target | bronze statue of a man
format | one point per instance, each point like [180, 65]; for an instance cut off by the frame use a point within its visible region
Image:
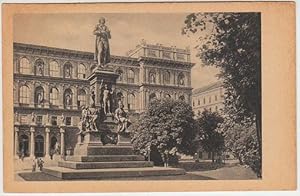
[102, 53]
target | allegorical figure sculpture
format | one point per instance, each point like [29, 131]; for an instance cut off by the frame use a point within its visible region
[107, 94]
[122, 119]
[102, 53]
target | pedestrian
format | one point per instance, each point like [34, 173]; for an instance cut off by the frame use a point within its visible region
[33, 164]
[40, 163]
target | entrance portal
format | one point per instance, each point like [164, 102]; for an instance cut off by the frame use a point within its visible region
[39, 146]
[23, 146]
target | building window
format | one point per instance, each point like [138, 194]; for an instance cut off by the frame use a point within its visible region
[131, 102]
[193, 103]
[204, 100]
[152, 78]
[81, 98]
[53, 97]
[198, 101]
[216, 97]
[39, 120]
[68, 70]
[209, 99]
[130, 76]
[39, 96]
[181, 98]
[54, 120]
[166, 77]
[151, 53]
[24, 119]
[24, 66]
[39, 67]
[166, 55]
[152, 96]
[120, 72]
[68, 98]
[216, 108]
[68, 121]
[81, 71]
[180, 57]
[24, 95]
[181, 79]
[119, 96]
[54, 69]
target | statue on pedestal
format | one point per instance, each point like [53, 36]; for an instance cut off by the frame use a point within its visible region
[33, 117]
[107, 98]
[102, 52]
[122, 119]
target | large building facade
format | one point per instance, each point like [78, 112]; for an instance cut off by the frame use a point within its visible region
[210, 97]
[50, 84]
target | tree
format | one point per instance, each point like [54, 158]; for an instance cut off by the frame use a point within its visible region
[241, 141]
[210, 139]
[232, 42]
[168, 127]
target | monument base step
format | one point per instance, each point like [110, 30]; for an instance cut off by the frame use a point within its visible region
[69, 174]
[105, 158]
[104, 165]
[89, 149]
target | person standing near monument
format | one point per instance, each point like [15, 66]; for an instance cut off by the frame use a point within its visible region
[102, 52]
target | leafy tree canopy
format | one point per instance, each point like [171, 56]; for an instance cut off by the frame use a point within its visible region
[168, 125]
[210, 139]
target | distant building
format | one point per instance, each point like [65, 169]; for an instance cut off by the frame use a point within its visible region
[51, 86]
[210, 97]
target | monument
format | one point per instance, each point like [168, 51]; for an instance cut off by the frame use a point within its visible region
[103, 148]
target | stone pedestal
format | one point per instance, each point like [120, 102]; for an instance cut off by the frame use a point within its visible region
[109, 78]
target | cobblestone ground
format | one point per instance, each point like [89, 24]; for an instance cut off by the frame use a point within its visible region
[195, 171]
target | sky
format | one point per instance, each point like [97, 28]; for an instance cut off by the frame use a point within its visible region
[75, 31]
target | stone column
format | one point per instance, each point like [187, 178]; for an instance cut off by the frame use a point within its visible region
[16, 141]
[62, 141]
[47, 95]
[47, 152]
[32, 143]
[75, 98]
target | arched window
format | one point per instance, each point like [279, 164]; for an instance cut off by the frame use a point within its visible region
[130, 76]
[166, 77]
[25, 66]
[120, 72]
[39, 67]
[181, 97]
[152, 96]
[39, 96]
[152, 77]
[68, 95]
[131, 102]
[120, 96]
[54, 69]
[24, 95]
[68, 70]
[81, 71]
[81, 98]
[181, 79]
[54, 97]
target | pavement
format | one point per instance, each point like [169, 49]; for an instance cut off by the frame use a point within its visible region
[195, 171]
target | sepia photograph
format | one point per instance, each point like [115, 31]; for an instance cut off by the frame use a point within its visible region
[137, 96]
